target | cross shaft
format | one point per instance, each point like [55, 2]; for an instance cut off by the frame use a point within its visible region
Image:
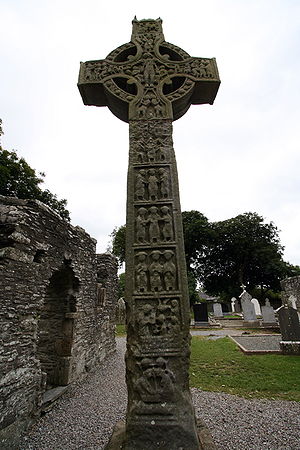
[149, 83]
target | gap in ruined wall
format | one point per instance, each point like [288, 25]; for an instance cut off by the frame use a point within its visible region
[56, 327]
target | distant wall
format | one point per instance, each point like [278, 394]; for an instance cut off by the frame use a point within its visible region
[56, 321]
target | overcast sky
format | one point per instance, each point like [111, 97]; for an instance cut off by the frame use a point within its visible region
[239, 155]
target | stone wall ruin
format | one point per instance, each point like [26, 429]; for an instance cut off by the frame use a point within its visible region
[57, 309]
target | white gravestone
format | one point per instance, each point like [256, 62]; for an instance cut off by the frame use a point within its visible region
[232, 304]
[256, 306]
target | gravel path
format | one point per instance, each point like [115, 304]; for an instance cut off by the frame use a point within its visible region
[84, 417]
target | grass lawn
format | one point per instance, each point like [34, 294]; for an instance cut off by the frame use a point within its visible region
[219, 366]
[120, 330]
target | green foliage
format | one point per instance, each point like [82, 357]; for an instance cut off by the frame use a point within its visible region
[118, 243]
[246, 251]
[18, 179]
[197, 234]
[241, 250]
[120, 330]
[223, 255]
[220, 366]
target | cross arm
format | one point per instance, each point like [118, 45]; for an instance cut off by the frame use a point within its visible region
[92, 93]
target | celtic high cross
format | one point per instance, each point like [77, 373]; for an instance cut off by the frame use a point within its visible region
[149, 83]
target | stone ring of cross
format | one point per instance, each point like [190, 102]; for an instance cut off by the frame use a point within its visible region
[148, 78]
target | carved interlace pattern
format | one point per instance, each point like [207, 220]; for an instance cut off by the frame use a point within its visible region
[148, 83]
[148, 72]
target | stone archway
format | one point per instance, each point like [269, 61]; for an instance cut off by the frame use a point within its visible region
[56, 327]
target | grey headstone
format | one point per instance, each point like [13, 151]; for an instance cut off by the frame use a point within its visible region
[237, 305]
[121, 312]
[247, 307]
[217, 308]
[268, 314]
[289, 324]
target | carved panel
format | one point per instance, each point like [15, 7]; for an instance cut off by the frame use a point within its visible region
[153, 224]
[152, 184]
[156, 271]
[156, 382]
[148, 150]
[157, 317]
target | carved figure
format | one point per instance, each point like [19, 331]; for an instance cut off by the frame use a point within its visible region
[146, 319]
[169, 271]
[155, 271]
[157, 382]
[152, 185]
[167, 229]
[158, 109]
[142, 109]
[140, 156]
[141, 272]
[154, 231]
[159, 317]
[141, 224]
[163, 153]
[140, 185]
[131, 82]
[164, 182]
[151, 150]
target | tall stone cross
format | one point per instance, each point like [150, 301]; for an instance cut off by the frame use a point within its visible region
[149, 83]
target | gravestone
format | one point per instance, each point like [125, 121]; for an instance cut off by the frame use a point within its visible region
[217, 309]
[235, 304]
[120, 312]
[257, 308]
[290, 330]
[248, 310]
[200, 313]
[268, 314]
[149, 83]
[291, 292]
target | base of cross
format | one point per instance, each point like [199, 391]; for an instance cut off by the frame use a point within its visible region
[118, 438]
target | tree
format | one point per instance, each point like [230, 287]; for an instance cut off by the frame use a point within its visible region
[118, 243]
[18, 179]
[197, 236]
[244, 250]
[223, 255]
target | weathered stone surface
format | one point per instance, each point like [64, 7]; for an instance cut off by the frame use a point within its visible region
[53, 327]
[291, 293]
[247, 307]
[121, 312]
[217, 308]
[289, 324]
[268, 314]
[149, 83]
[257, 307]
